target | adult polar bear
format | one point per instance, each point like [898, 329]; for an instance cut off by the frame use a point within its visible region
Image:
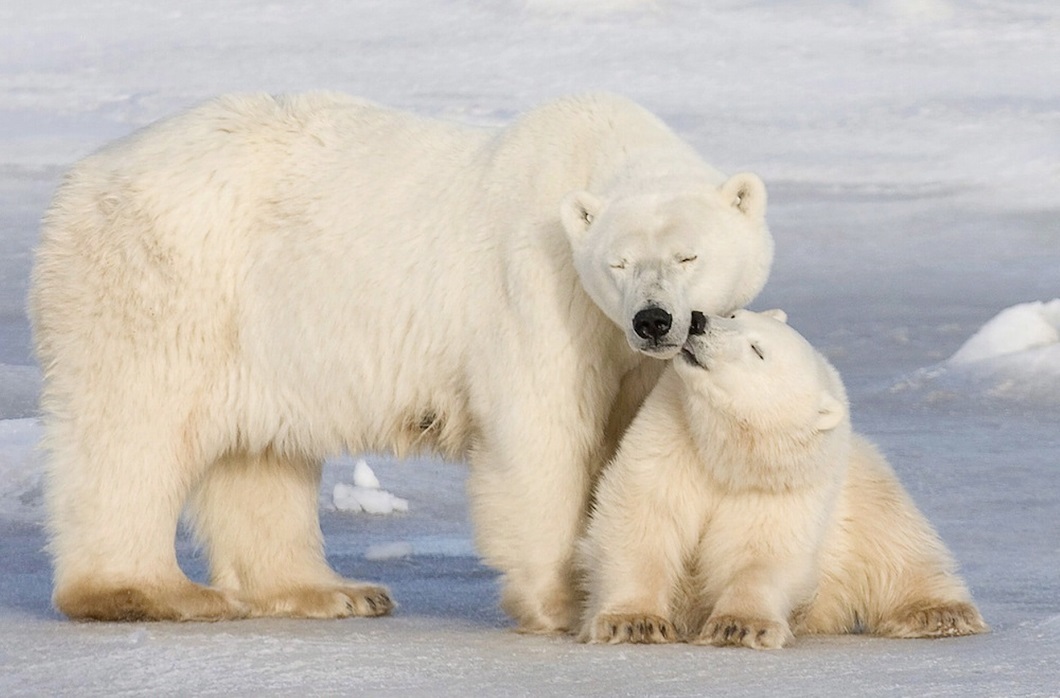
[227, 297]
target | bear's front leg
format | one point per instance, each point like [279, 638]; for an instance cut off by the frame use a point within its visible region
[752, 609]
[526, 519]
[633, 557]
[528, 493]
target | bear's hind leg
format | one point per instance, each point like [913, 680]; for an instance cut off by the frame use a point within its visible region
[175, 600]
[113, 513]
[928, 619]
[257, 516]
[887, 566]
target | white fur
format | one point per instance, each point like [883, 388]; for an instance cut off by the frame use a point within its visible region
[227, 297]
[740, 509]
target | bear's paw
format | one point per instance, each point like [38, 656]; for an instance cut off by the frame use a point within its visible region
[640, 628]
[933, 619]
[363, 600]
[756, 633]
[179, 601]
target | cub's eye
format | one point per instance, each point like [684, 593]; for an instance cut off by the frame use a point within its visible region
[756, 350]
[686, 258]
[620, 264]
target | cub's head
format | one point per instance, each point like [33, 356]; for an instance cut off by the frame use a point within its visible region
[647, 260]
[760, 372]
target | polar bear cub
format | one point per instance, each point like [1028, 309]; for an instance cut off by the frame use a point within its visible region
[741, 509]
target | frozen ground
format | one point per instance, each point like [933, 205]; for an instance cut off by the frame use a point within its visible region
[912, 151]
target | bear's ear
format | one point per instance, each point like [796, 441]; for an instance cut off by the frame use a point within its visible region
[777, 314]
[747, 193]
[577, 212]
[830, 413]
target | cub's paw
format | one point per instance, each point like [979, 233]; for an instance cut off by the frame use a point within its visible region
[755, 633]
[933, 619]
[344, 601]
[642, 628]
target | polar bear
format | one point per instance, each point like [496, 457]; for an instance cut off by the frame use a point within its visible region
[740, 509]
[227, 297]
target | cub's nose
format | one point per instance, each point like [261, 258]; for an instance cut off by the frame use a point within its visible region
[652, 323]
[699, 323]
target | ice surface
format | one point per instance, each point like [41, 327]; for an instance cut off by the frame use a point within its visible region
[388, 551]
[911, 152]
[21, 468]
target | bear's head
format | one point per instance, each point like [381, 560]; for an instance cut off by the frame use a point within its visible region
[648, 259]
[761, 373]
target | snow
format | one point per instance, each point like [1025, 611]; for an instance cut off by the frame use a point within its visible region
[912, 154]
[364, 476]
[364, 494]
[1023, 330]
[1015, 357]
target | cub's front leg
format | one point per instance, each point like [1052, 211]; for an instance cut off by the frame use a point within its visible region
[632, 556]
[628, 578]
[752, 609]
[753, 584]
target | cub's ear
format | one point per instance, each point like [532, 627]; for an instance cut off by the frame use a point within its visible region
[747, 193]
[577, 212]
[830, 413]
[777, 314]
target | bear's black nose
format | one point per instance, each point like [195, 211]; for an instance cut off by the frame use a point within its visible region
[652, 323]
[699, 323]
